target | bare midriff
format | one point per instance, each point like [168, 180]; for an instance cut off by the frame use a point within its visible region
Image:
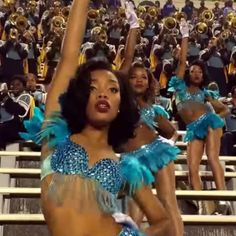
[190, 114]
[143, 135]
[71, 219]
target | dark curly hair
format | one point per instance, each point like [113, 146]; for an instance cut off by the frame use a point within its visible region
[149, 96]
[201, 64]
[74, 102]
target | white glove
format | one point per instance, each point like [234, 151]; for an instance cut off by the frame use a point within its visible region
[130, 14]
[121, 218]
[184, 28]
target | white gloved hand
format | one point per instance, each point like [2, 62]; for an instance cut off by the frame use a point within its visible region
[130, 14]
[124, 219]
[184, 28]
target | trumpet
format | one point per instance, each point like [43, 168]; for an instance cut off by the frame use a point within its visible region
[57, 22]
[179, 15]
[12, 18]
[170, 23]
[13, 35]
[201, 27]
[99, 34]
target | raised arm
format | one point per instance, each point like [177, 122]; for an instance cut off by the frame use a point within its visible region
[131, 38]
[184, 29]
[68, 62]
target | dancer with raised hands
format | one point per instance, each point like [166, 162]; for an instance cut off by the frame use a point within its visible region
[81, 175]
[153, 151]
[204, 128]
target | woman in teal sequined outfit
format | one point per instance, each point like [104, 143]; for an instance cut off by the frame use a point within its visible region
[204, 128]
[157, 153]
[81, 175]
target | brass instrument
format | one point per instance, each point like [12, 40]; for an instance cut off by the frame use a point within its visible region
[179, 15]
[170, 23]
[13, 34]
[121, 12]
[225, 34]
[57, 22]
[12, 18]
[230, 16]
[8, 3]
[207, 16]
[153, 11]
[93, 14]
[141, 10]
[21, 23]
[201, 27]
[20, 11]
[65, 12]
[99, 34]
[233, 23]
[102, 37]
[31, 5]
[142, 24]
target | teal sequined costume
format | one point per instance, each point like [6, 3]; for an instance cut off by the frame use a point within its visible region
[72, 176]
[198, 129]
[160, 152]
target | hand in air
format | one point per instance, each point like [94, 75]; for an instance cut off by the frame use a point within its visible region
[130, 14]
[184, 28]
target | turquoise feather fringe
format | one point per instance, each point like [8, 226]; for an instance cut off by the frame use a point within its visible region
[55, 128]
[159, 110]
[213, 94]
[199, 128]
[151, 157]
[134, 173]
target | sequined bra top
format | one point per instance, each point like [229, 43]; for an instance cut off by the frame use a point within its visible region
[186, 99]
[70, 158]
[148, 115]
[72, 175]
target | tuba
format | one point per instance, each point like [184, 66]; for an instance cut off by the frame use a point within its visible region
[141, 10]
[8, 3]
[170, 23]
[93, 14]
[31, 5]
[153, 11]
[207, 16]
[225, 34]
[201, 27]
[229, 16]
[21, 23]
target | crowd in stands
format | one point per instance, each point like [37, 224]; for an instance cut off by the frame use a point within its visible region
[31, 34]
